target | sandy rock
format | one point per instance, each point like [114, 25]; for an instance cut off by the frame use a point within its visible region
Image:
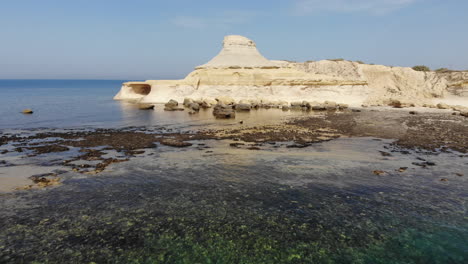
[460, 108]
[187, 101]
[343, 106]
[225, 100]
[443, 106]
[27, 111]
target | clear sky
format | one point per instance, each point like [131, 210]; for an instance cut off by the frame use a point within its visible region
[152, 39]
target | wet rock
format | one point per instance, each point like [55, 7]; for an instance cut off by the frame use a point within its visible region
[175, 143]
[177, 108]
[44, 180]
[298, 145]
[379, 172]
[385, 154]
[145, 106]
[319, 107]
[194, 106]
[296, 104]
[285, 108]
[192, 112]
[465, 114]
[27, 111]
[402, 169]
[395, 104]
[459, 174]
[343, 107]
[223, 111]
[356, 110]
[243, 107]
[253, 148]
[443, 180]
[413, 113]
[236, 145]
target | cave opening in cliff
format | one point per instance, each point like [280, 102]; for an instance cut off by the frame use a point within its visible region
[143, 89]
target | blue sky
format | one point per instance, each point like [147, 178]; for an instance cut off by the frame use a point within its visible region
[151, 39]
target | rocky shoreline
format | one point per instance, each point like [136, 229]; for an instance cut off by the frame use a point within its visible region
[424, 132]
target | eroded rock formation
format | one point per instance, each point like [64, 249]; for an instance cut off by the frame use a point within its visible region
[241, 72]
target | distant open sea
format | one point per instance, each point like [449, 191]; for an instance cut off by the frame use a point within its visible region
[61, 103]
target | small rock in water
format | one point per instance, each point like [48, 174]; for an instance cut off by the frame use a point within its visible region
[223, 111]
[379, 172]
[402, 169]
[171, 103]
[145, 106]
[413, 113]
[385, 154]
[187, 101]
[194, 106]
[27, 111]
[459, 174]
[443, 180]
[243, 107]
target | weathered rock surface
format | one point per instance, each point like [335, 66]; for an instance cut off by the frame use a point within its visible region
[240, 72]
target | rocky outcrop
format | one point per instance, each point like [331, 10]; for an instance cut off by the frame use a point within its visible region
[240, 72]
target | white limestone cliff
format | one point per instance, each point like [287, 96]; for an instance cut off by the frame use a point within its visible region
[241, 72]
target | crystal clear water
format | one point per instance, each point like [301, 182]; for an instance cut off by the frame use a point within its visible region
[213, 203]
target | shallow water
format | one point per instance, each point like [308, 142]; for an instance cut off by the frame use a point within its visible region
[218, 203]
[213, 203]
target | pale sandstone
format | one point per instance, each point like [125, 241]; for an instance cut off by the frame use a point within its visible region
[240, 72]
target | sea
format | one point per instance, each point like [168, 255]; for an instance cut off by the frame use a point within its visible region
[213, 203]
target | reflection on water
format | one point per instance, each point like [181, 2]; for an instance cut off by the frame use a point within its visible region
[132, 116]
[215, 203]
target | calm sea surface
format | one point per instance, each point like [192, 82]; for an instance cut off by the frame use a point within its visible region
[60, 103]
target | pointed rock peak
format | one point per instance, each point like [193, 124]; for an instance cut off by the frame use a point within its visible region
[239, 51]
